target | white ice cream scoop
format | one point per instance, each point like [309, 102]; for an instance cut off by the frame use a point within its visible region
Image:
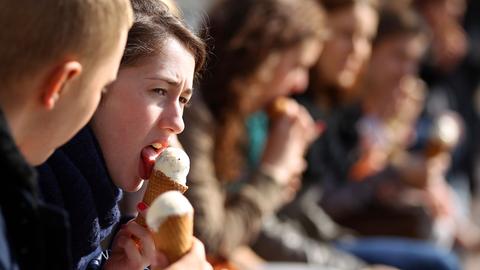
[168, 204]
[174, 163]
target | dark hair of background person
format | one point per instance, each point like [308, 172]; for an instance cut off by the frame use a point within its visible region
[399, 21]
[153, 25]
[241, 35]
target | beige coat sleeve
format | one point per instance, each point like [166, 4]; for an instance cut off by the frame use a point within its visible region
[222, 221]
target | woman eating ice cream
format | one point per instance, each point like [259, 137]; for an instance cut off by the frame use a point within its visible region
[137, 116]
[261, 50]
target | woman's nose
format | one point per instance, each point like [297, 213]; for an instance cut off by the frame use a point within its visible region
[172, 119]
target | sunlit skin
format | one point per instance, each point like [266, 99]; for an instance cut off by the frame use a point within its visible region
[144, 107]
[349, 46]
[73, 107]
[286, 72]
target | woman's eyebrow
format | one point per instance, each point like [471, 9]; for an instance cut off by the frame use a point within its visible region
[169, 80]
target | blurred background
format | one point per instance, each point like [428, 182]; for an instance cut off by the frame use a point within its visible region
[417, 141]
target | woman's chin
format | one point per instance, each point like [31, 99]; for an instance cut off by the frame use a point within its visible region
[133, 187]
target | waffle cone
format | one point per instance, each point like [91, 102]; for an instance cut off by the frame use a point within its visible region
[174, 237]
[158, 183]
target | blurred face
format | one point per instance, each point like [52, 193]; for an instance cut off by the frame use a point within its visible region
[450, 42]
[349, 46]
[286, 72]
[395, 58]
[76, 104]
[141, 111]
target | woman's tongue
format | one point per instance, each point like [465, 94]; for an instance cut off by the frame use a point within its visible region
[147, 161]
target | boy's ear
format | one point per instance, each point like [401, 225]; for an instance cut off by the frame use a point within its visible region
[56, 81]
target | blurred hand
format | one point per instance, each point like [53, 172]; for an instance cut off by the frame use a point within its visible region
[370, 162]
[291, 189]
[289, 137]
[437, 166]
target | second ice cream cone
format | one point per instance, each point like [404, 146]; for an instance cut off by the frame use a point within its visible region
[170, 219]
[175, 237]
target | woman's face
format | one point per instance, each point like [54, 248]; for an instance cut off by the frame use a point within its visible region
[393, 59]
[286, 72]
[349, 46]
[141, 111]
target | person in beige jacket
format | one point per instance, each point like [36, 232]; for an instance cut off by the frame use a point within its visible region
[260, 50]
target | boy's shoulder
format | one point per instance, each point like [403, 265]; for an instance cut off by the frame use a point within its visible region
[12, 164]
[6, 261]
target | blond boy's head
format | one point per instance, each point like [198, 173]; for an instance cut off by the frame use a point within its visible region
[56, 56]
[37, 33]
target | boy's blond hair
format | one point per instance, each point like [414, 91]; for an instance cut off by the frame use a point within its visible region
[36, 33]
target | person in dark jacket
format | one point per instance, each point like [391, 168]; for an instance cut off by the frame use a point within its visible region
[139, 113]
[54, 67]
[329, 98]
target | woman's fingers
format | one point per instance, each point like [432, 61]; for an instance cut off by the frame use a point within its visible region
[134, 256]
[147, 246]
[161, 261]
[130, 249]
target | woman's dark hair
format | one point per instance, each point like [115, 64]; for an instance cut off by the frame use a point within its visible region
[153, 25]
[399, 21]
[241, 35]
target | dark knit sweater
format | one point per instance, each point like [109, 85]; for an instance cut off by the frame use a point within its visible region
[76, 179]
[33, 235]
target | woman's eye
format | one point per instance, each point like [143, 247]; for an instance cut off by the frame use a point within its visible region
[185, 101]
[160, 91]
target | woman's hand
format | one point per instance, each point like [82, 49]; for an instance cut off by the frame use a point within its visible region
[194, 259]
[288, 139]
[133, 249]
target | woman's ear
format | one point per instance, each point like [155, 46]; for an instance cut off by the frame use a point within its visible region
[57, 80]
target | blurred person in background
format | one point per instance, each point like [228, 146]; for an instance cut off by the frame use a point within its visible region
[337, 157]
[352, 154]
[302, 231]
[260, 50]
[451, 72]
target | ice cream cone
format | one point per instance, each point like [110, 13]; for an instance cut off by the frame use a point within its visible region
[159, 183]
[170, 219]
[169, 173]
[175, 236]
[278, 108]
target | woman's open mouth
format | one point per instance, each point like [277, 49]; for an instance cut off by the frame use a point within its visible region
[147, 159]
